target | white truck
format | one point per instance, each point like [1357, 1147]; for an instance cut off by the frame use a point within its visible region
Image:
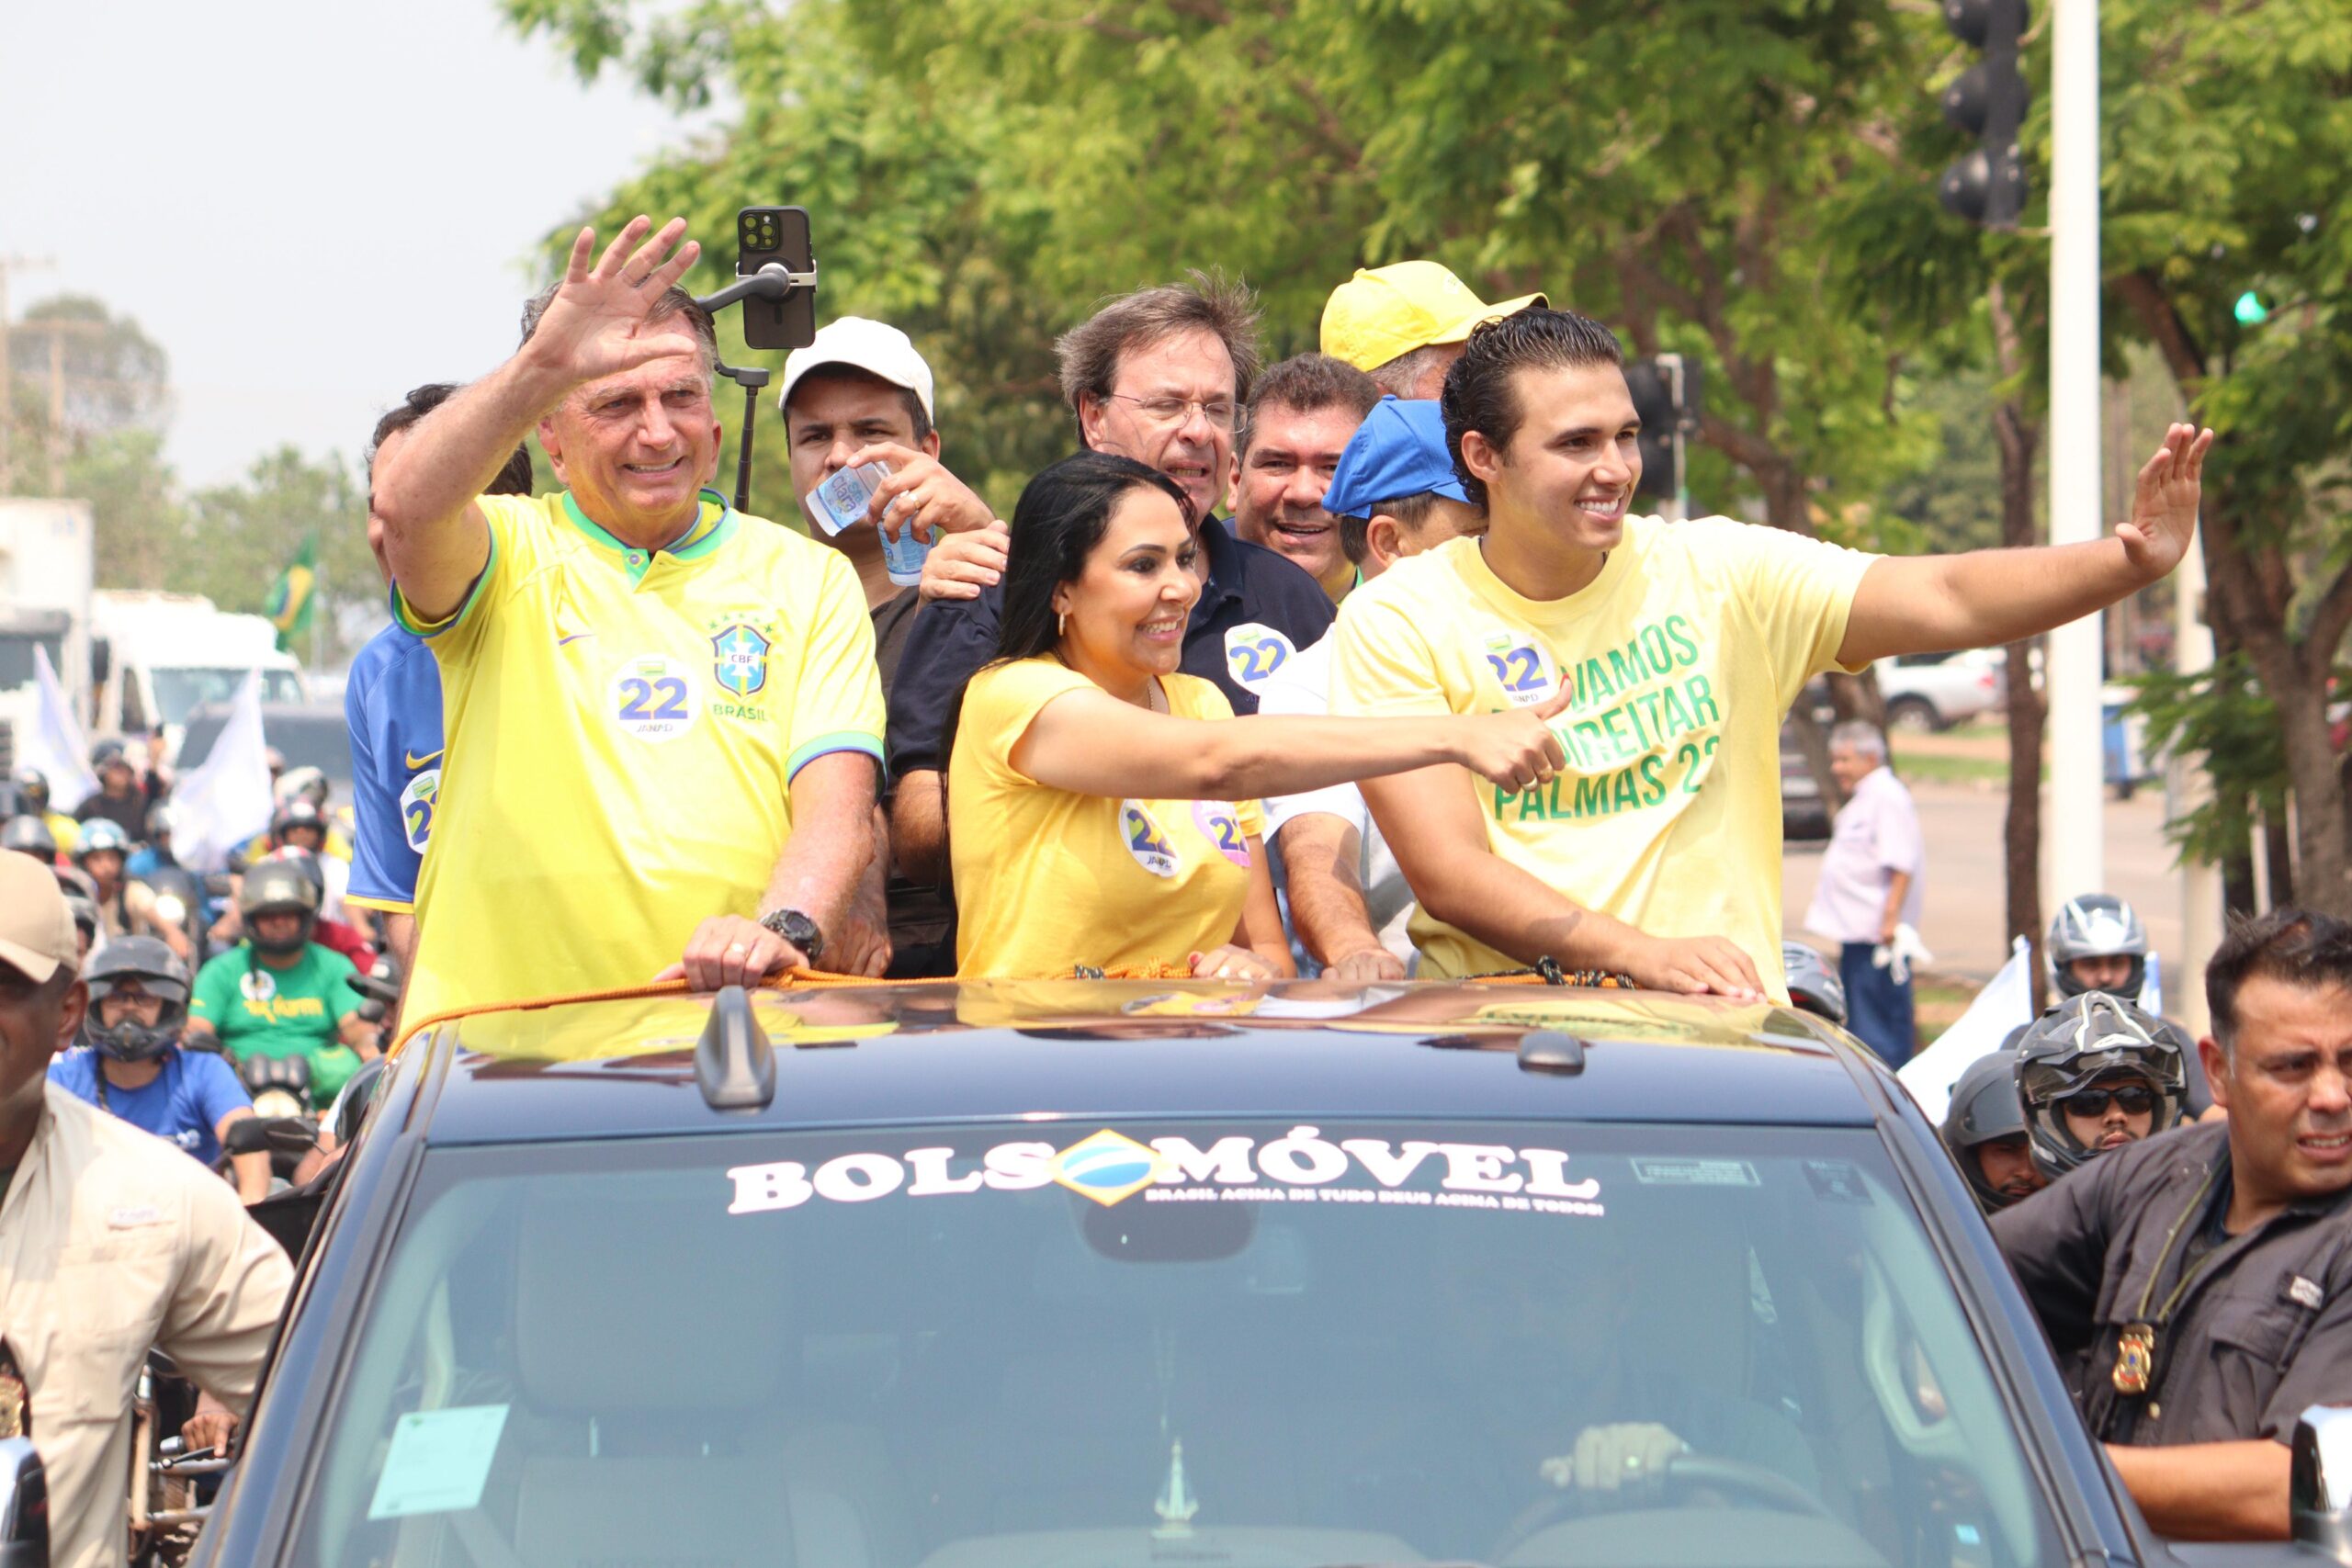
[47, 550]
[160, 656]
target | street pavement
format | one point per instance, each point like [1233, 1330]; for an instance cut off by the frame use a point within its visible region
[1961, 824]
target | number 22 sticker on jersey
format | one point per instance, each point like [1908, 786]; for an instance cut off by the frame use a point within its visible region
[1253, 652]
[653, 698]
[1146, 841]
[1523, 668]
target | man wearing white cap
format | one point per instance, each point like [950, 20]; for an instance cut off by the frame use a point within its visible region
[1405, 326]
[860, 393]
[111, 1240]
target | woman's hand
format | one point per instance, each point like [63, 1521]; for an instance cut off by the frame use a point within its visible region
[1231, 962]
[1515, 750]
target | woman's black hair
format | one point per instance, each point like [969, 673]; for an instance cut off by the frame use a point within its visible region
[1061, 516]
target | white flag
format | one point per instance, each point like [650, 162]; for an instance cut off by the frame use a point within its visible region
[219, 807]
[2005, 1002]
[56, 746]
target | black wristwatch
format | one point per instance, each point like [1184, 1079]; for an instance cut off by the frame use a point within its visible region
[798, 930]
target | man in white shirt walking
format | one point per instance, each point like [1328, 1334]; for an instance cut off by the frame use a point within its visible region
[1871, 885]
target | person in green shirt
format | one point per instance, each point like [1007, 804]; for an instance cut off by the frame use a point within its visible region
[280, 994]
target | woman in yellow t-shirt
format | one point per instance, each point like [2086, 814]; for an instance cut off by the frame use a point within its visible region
[1102, 808]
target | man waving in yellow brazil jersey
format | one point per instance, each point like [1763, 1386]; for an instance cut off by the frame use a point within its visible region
[663, 720]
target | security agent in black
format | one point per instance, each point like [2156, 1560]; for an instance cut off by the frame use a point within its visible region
[2197, 1284]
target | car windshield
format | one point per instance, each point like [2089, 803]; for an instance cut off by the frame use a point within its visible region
[180, 691]
[1043, 1344]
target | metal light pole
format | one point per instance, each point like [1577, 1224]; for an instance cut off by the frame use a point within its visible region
[2073, 852]
[2188, 784]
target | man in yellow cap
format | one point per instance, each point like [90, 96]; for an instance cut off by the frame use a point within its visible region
[1404, 325]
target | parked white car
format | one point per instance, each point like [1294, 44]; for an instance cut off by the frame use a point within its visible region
[1935, 690]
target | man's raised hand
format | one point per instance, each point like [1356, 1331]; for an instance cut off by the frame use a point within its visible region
[596, 325]
[2164, 502]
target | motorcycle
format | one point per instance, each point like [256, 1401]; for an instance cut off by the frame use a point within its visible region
[171, 1488]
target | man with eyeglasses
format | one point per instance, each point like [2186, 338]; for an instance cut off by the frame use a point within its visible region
[1159, 376]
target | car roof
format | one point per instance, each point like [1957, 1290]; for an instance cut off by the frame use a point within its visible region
[889, 1054]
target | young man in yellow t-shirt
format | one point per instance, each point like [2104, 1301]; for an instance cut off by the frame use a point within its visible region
[1657, 852]
[663, 720]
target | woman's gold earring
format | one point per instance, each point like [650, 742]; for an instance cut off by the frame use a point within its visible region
[1061, 623]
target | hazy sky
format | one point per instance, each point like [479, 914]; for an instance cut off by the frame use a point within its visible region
[312, 205]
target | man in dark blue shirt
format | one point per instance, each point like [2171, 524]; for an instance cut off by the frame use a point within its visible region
[1159, 376]
[131, 1064]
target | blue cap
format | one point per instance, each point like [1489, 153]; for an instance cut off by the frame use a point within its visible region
[1398, 451]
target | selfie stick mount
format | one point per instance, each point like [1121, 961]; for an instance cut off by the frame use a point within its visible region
[773, 281]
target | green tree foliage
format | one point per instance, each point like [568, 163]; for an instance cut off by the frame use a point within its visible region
[240, 536]
[2227, 135]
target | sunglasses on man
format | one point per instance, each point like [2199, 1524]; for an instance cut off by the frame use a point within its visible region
[2132, 1100]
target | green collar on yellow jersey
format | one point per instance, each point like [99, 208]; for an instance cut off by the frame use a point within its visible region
[714, 523]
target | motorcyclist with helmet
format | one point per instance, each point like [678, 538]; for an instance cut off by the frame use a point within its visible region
[127, 908]
[121, 796]
[2092, 1074]
[32, 800]
[1814, 987]
[336, 935]
[130, 1062]
[278, 993]
[1986, 1133]
[2096, 942]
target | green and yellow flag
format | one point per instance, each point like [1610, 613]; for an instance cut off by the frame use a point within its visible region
[290, 595]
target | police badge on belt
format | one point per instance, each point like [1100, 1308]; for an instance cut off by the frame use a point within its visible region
[15, 1399]
[2135, 1359]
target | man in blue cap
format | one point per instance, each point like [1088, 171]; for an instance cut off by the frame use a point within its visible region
[1394, 494]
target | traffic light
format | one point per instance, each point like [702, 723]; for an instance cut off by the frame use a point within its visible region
[1666, 396]
[1987, 101]
[2252, 308]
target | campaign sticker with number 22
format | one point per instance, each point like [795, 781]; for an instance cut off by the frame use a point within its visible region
[1253, 652]
[1146, 841]
[653, 698]
[1217, 824]
[1523, 668]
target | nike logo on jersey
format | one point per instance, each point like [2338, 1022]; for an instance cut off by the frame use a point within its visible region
[575, 637]
[412, 762]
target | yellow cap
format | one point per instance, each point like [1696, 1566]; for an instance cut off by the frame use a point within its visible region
[1384, 311]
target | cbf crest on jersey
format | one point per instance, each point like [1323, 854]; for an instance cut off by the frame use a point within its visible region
[741, 658]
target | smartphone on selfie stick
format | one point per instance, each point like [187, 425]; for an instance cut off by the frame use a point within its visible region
[776, 281]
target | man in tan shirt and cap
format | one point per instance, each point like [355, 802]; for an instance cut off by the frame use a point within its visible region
[1404, 324]
[111, 1241]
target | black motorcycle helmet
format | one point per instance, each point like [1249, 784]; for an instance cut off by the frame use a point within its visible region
[159, 973]
[1984, 1108]
[2096, 925]
[277, 887]
[1812, 985]
[27, 834]
[32, 791]
[2080, 1040]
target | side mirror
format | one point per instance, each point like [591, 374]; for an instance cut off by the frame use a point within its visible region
[23, 1505]
[2319, 1482]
